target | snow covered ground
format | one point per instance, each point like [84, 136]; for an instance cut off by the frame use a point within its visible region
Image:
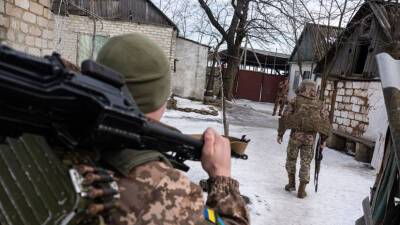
[343, 182]
[258, 106]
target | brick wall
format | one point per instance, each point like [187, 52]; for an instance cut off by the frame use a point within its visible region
[2, 21]
[351, 106]
[69, 29]
[27, 25]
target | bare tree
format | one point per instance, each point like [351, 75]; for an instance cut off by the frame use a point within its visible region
[268, 23]
[209, 93]
[181, 12]
[233, 36]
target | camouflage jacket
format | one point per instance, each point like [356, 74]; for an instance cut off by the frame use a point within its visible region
[155, 193]
[283, 90]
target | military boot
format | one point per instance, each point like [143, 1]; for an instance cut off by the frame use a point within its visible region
[302, 190]
[291, 186]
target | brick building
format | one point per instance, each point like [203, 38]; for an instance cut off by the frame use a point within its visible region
[27, 25]
[76, 26]
[37, 27]
[75, 37]
[353, 93]
[79, 28]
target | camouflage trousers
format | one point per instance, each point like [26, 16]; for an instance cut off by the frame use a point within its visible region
[279, 103]
[303, 143]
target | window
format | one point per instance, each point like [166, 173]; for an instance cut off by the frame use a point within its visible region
[362, 54]
[85, 46]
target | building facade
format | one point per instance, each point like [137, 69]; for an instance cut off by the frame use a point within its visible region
[78, 30]
[353, 94]
[74, 37]
[191, 67]
[27, 25]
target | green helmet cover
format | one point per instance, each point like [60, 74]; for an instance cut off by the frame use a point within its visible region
[143, 64]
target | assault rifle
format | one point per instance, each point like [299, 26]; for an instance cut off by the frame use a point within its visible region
[90, 110]
[318, 159]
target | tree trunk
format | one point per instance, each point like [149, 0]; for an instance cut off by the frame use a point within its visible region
[210, 83]
[229, 74]
[211, 78]
[224, 117]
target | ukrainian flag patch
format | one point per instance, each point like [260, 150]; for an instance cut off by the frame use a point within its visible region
[212, 216]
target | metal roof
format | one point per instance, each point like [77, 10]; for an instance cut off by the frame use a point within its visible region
[139, 11]
[312, 42]
[267, 59]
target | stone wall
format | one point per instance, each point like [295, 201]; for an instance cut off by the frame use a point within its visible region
[27, 25]
[30, 26]
[70, 28]
[2, 21]
[352, 105]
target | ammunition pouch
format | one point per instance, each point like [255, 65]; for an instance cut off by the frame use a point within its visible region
[35, 187]
[40, 187]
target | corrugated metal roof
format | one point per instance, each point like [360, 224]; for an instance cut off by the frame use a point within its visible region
[312, 44]
[270, 53]
[141, 11]
[364, 11]
[268, 59]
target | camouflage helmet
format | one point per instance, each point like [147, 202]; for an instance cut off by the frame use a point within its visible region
[143, 64]
[308, 88]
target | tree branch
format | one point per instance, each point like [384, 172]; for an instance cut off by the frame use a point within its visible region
[213, 21]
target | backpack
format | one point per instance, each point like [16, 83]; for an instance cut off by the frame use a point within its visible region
[307, 116]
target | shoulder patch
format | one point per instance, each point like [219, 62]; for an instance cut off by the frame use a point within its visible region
[212, 216]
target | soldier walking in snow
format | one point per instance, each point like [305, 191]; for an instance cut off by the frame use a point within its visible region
[306, 116]
[281, 96]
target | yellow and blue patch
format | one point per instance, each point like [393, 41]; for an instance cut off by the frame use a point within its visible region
[213, 217]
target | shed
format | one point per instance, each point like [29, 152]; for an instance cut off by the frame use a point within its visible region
[259, 74]
[189, 79]
[260, 60]
[353, 93]
[83, 26]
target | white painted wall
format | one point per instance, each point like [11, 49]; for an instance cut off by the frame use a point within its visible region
[377, 114]
[191, 67]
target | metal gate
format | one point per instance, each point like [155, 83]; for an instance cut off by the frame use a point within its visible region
[256, 86]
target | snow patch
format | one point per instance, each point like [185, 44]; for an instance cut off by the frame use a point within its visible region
[259, 106]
